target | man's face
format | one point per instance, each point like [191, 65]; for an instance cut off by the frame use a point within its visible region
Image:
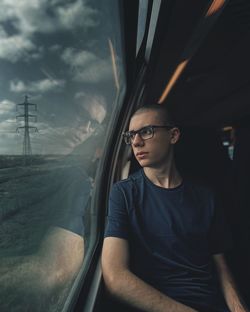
[153, 152]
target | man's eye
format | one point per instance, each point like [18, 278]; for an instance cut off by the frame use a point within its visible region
[145, 131]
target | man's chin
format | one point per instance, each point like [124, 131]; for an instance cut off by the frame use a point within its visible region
[144, 163]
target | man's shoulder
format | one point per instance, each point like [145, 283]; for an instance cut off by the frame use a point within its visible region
[127, 190]
[135, 178]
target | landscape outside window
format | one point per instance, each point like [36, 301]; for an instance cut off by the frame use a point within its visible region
[61, 72]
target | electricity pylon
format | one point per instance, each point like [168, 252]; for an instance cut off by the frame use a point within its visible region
[27, 151]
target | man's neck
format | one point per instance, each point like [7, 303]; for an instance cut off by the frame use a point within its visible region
[166, 176]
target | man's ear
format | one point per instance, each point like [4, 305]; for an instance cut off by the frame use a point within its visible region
[175, 135]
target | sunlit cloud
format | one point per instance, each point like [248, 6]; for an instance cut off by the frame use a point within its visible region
[28, 18]
[44, 85]
[46, 16]
[76, 14]
[8, 125]
[12, 48]
[78, 58]
[86, 66]
[7, 106]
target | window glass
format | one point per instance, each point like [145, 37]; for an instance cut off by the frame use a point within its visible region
[142, 17]
[61, 73]
[152, 27]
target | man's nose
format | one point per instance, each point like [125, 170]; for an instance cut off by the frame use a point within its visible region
[138, 141]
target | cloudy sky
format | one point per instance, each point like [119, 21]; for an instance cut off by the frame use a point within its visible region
[57, 52]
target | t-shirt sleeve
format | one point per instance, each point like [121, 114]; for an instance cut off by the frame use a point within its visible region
[220, 238]
[117, 222]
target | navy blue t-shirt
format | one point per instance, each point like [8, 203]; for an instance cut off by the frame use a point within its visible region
[172, 234]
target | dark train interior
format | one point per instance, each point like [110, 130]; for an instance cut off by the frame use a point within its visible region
[198, 66]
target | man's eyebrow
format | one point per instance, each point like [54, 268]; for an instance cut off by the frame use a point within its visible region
[139, 128]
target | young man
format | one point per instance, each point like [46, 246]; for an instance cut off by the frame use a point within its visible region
[162, 234]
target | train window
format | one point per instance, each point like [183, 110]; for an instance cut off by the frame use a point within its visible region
[152, 27]
[61, 77]
[142, 17]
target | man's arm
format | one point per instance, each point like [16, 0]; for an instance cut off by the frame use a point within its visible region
[123, 284]
[231, 294]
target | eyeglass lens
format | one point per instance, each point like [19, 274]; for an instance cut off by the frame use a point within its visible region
[145, 133]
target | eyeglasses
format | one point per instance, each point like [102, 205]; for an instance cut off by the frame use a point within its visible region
[145, 133]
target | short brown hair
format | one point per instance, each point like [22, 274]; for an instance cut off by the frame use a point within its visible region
[160, 109]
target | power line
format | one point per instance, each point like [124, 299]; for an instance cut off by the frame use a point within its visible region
[27, 151]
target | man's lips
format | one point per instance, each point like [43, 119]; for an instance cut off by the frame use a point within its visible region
[140, 154]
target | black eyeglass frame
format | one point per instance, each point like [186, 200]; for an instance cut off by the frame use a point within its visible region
[127, 135]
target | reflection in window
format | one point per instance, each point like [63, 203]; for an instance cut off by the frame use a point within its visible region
[60, 71]
[228, 140]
